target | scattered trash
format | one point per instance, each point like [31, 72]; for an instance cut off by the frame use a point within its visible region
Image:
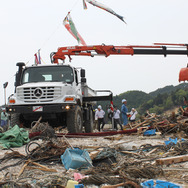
[71, 184]
[113, 159]
[76, 158]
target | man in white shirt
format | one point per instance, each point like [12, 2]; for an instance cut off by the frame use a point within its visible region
[133, 115]
[100, 116]
[117, 118]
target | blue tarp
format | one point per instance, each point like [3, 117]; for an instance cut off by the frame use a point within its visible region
[159, 184]
[150, 132]
[172, 141]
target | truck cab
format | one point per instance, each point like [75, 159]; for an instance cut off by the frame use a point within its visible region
[55, 93]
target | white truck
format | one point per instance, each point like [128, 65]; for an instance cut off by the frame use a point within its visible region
[56, 92]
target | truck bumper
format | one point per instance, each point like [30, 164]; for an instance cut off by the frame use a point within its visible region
[28, 109]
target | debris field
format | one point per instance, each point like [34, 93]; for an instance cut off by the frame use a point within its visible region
[118, 158]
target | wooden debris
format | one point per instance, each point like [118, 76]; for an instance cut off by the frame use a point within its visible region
[22, 169]
[41, 167]
[171, 160]
[93, 154]
[150, 152]
[129, 152]
[128, 183]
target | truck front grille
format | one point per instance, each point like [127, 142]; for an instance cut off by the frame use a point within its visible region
[38, 94]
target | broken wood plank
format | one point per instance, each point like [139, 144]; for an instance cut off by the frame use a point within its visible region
[171, 160]
[93, 154]
[150, 152]
[176, 169]
[23, 167]
[129, 152]
[128, 183]
[42, 169]
[37, 164]
[37, 123]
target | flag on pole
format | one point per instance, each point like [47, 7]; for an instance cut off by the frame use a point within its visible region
[104, 7]
[39, 58]
[69, 25]
[36, 59]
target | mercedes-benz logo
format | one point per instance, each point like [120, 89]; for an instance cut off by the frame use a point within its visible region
[38, 92]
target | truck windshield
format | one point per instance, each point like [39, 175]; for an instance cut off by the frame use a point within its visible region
[48, 74]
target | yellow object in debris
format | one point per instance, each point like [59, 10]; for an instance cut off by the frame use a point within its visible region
[71, 183]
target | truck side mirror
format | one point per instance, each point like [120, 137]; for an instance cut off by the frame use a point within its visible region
[83, 73]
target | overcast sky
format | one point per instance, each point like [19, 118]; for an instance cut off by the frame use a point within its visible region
[27, 26]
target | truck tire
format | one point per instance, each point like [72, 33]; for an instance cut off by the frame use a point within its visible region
[89, 123]
[75, 120]
[14, 119]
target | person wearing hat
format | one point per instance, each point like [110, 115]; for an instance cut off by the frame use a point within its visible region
[100, 117]
[133, 115]
[124, 112]
[4, 118]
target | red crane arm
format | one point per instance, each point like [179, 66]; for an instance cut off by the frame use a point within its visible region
[156, 49]
[119, 50]
[90, 51]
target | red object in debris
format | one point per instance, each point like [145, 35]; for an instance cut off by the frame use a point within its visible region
[31, 135]
[183, 75]
[129, 131]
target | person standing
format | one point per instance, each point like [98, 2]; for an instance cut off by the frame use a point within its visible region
[110, 114]
[116, 117]
[4, 118]
[133, 115]
[124, 112]
[100, 117]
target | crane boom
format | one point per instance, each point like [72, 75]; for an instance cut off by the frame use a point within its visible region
[107, 50]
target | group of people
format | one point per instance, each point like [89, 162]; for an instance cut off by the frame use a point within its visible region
[116, 117]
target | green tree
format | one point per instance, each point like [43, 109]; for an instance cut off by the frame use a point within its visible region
[169, 103]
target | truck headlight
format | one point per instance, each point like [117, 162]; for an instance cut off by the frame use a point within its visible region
[67, 107]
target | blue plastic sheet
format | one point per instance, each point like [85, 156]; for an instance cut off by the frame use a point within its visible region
[150, 132]
[158, 184]
[172, 141]
[76, 158]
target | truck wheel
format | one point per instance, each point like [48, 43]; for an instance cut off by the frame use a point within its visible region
[89, 123]
[14, 120]
[75, 120]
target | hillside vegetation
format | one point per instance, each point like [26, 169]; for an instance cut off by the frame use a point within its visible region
[156, 102]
